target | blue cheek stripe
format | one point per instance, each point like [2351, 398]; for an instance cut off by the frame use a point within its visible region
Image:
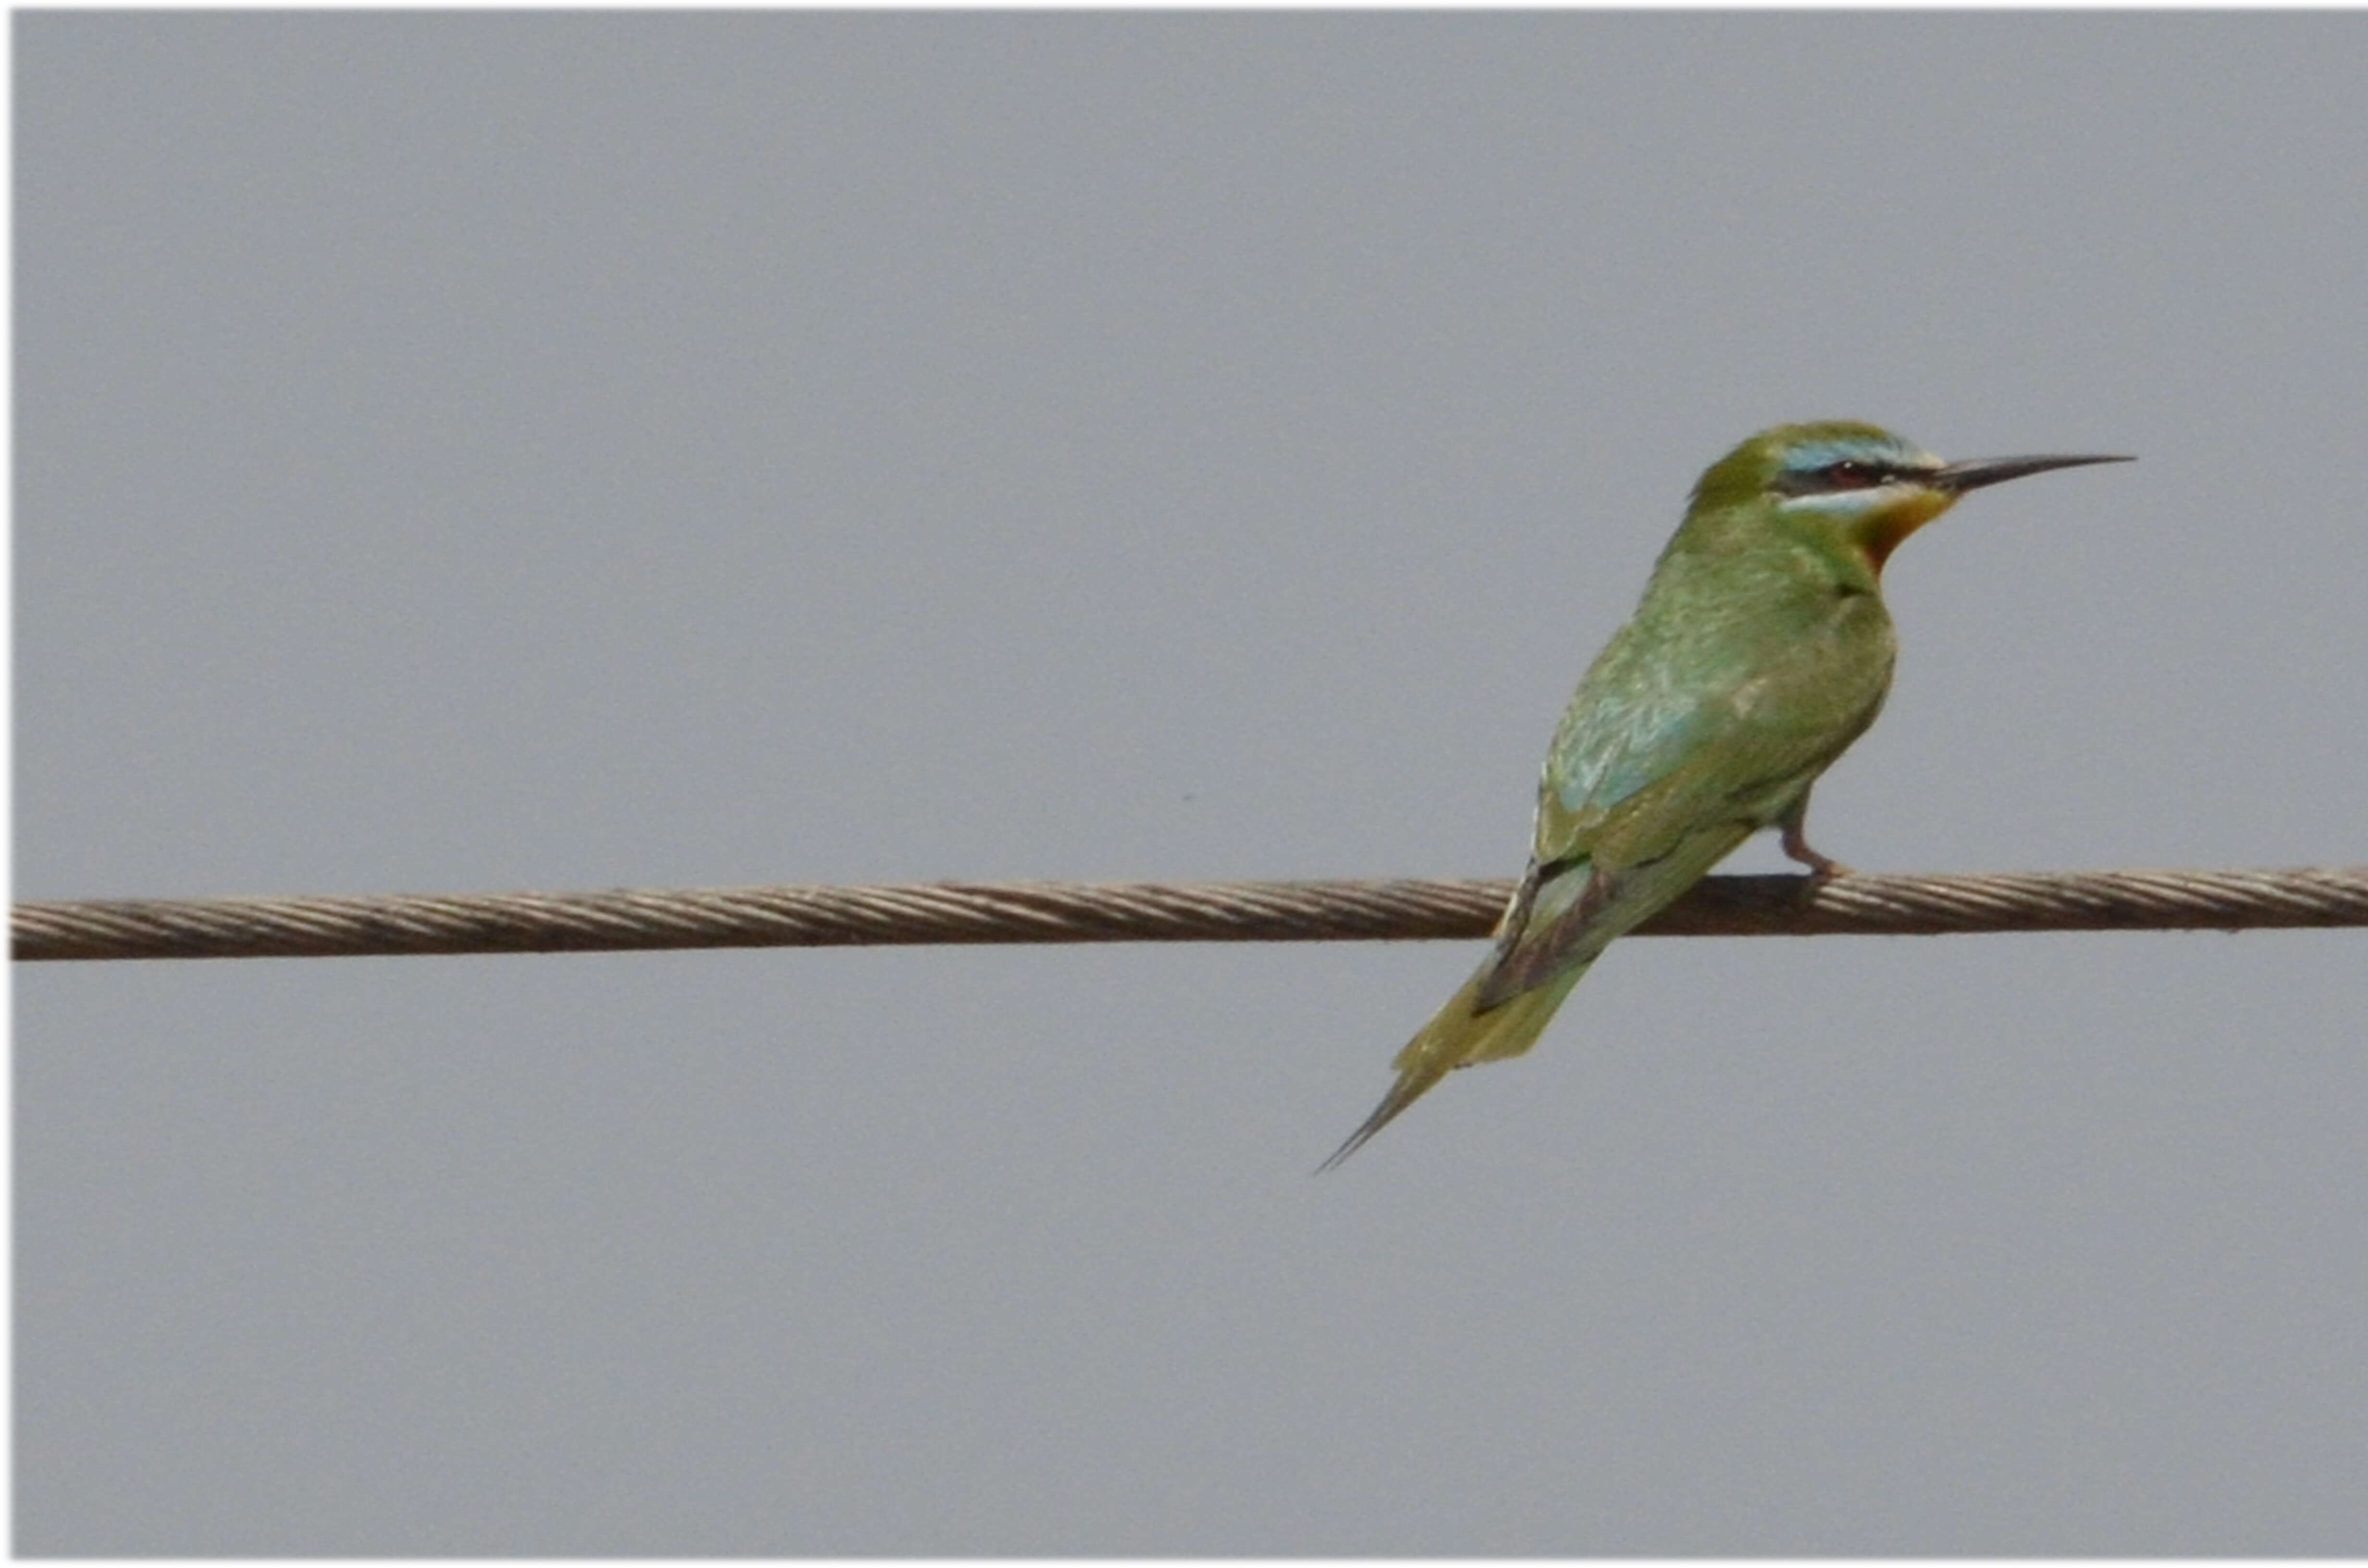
[1847, 503]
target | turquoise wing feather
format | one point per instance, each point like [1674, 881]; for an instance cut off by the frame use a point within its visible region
[1662, 765]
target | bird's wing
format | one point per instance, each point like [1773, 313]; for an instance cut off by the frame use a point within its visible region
[1650, 786]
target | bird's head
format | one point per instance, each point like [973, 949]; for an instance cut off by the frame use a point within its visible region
[1870, 487]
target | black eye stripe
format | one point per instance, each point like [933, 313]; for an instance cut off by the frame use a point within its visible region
[1849, 473]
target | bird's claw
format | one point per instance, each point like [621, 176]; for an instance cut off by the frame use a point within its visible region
[1823, 869]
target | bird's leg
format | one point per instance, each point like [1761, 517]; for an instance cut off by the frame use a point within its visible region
[1796, 844]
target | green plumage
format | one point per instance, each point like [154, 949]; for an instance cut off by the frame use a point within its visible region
[1760, 651]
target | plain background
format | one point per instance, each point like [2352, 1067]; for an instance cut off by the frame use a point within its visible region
[472, 452]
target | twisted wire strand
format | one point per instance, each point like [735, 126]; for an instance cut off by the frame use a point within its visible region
[1396, 909]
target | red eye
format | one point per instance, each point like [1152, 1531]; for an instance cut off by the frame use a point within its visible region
[1851, 475]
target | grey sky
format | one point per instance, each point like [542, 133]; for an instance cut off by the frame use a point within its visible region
[475, 451]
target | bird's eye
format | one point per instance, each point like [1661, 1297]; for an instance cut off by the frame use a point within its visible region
[1851, 475]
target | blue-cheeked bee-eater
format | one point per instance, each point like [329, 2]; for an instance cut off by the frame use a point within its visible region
[1760, 651]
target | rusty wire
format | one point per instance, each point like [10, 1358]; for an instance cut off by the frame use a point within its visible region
[1156, 912]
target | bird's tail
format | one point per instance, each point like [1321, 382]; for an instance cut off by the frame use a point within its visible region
[1461, 1035]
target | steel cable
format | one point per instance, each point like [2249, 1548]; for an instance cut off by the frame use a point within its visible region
[1397, 909]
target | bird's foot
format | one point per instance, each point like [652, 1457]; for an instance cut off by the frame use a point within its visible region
[1823, 869]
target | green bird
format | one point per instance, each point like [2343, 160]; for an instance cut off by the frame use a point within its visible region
[1760, 651]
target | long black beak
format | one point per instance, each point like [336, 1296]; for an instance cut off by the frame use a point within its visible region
[1958, 478]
